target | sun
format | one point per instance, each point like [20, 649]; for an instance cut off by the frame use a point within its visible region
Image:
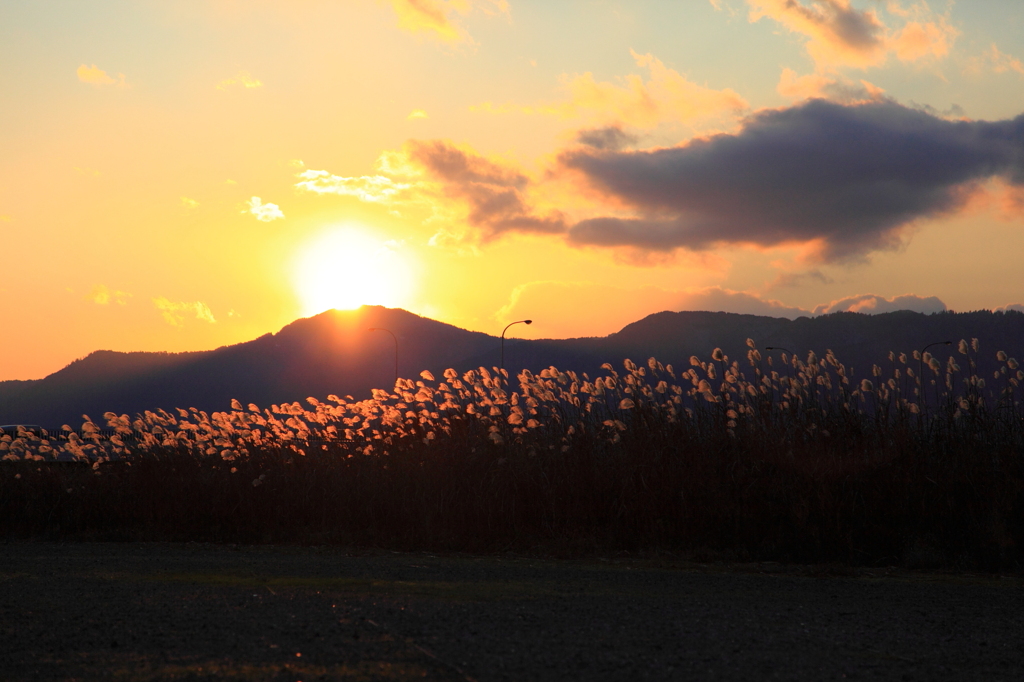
[347, 267]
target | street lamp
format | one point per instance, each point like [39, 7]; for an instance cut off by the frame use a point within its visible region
[381, 329]
[503, 338]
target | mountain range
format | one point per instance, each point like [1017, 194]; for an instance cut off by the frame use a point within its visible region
[334, 353]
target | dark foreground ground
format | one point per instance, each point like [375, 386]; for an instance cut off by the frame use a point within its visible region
[194, 612]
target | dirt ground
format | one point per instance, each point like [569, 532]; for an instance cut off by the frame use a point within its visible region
[199, 612]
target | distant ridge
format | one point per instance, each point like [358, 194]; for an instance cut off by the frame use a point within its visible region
[333, 353]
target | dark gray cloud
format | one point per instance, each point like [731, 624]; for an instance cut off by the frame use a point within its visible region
[611, 138]
[849, 175]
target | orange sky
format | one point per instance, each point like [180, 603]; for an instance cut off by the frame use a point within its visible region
[183, 175]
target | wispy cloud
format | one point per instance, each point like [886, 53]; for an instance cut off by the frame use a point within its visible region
[189, 203]
[487, 194]
[103, 295]
[834, 87]
[666, 96]
[436, 18]
[416, 114]
[94, 75]
[175, 312]
[369, 188]
[996, 61]
[243, 79]
[263, 212]
[787, 280]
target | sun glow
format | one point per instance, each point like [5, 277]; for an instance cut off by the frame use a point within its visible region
[346, 268]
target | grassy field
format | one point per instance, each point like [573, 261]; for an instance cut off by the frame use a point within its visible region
[920, 465]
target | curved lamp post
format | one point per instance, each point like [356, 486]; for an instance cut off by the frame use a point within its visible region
[503, 338]
[920, 365]
[381, 329]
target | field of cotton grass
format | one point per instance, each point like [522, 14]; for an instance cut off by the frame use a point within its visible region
[917, 463]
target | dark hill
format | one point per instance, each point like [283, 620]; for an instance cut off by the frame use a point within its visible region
[334, 353]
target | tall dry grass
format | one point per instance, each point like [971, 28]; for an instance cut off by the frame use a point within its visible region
[797, 461]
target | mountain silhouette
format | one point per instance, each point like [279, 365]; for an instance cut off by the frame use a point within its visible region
[334, 353]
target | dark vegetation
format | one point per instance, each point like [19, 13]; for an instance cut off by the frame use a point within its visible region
[334, 353]
[743, 460]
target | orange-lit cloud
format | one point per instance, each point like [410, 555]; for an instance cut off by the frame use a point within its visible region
[873, 304]
[995, 61]
[666, 96]
[243, 79]
[189, 203]
[263, 212]
[103, 295]
[488, 195]
[94, 75]
[175, 312]
[435, 18]
[839, 34]
[416, 113]
[918, 40]
[832, 87]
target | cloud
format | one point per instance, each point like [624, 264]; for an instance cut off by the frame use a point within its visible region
[174, 312]
[873, 305]
[797, 279]
[846, 179]
[918, 40]
[263, 212]
[102, 295]
[1014, 307]
[435, 17]
[831, 87]
[610, 138]
[189, 203]
[995, 61]
[565, 309]
[5, 219]
[243, 80]
[839, 35]
[727, 300]
[493, 193]
[97, 76]
[487, 194]
[369, 188]
[666, 96]
[416, 113]
[562, 309]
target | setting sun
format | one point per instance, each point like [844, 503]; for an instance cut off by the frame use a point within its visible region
[345, 268]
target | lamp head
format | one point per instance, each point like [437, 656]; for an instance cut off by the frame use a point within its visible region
[528, 321]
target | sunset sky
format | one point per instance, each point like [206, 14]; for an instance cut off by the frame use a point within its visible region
[181, 175]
